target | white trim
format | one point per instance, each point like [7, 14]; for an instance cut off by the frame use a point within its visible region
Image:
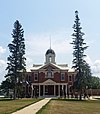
[49, 82]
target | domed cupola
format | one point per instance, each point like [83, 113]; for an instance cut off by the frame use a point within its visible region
[50, 51]
[50, 56]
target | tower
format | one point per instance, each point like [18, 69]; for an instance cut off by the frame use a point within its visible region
[50, 56]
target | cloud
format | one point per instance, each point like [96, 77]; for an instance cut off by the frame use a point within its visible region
[2, 69]
[2, 63]
[96, 68]
[2, 50]
[38, 44]
[88, 60]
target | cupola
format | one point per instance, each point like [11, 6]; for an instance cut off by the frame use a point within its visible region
[50, 56]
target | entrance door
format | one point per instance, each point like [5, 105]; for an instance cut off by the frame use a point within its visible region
[49, 90]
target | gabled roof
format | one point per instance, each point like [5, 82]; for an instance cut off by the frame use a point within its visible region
[54, 66]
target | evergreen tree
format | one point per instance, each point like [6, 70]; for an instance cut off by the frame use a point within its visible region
[16, 59]
[6, 86]
[80, 65]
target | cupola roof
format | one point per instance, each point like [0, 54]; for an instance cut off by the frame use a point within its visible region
[50, 51]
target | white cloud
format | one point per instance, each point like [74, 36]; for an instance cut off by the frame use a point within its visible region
[88, 60]
[2, 50]
[37, 45]
[96, 68]
[2, 63]
[2, 70]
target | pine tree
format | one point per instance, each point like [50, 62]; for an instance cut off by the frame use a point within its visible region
[16, 59]
[80, 65]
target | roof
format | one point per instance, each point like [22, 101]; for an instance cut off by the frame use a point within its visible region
[60, 67]
[50, 51]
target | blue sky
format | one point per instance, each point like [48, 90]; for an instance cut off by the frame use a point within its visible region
[42, 18]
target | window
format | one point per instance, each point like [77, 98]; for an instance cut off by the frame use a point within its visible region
[36, 77]
[62, 76]
[50, 59]
[49, 72]
[70, 78]
[29, 78]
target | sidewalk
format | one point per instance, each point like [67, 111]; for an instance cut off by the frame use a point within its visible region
[32, 109]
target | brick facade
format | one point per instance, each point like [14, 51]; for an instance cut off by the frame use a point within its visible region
[49, 79]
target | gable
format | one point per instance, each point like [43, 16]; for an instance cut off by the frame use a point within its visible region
[53, 66]
[49, 82]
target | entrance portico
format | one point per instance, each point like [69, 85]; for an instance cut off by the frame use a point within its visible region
[49, 88]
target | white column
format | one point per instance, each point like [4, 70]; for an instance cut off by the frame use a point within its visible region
[32, 91]
[39, 91]
[66, 89]
[54, 90]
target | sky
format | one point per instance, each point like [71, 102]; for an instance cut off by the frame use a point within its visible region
[42, 19]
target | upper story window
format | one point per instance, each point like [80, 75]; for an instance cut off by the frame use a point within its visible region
[70, 78]
[35, 76]
[49, 73]
[62, 76]
[29, 78]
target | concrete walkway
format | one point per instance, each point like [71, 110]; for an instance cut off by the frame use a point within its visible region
[32, 109]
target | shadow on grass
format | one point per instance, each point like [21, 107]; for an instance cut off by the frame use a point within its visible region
[23, 103]
[68, 99]
[6, 99]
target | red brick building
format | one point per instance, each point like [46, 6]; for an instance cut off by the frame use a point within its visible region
[49, 79]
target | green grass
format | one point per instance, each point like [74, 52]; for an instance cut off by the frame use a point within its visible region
[7, 106]
[71, 107]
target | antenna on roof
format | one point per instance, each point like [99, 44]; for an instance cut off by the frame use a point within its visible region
[50, 41]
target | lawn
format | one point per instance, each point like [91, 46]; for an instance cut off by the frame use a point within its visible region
[71, 107]
[7, 105]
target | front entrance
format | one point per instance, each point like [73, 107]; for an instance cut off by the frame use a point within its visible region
[49, 89]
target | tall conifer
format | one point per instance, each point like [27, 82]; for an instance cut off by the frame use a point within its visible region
[80, 65]
[16, 59]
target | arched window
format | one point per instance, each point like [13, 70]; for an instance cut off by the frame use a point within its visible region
[50, 59]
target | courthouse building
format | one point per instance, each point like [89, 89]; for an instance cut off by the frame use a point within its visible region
[49, 79]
